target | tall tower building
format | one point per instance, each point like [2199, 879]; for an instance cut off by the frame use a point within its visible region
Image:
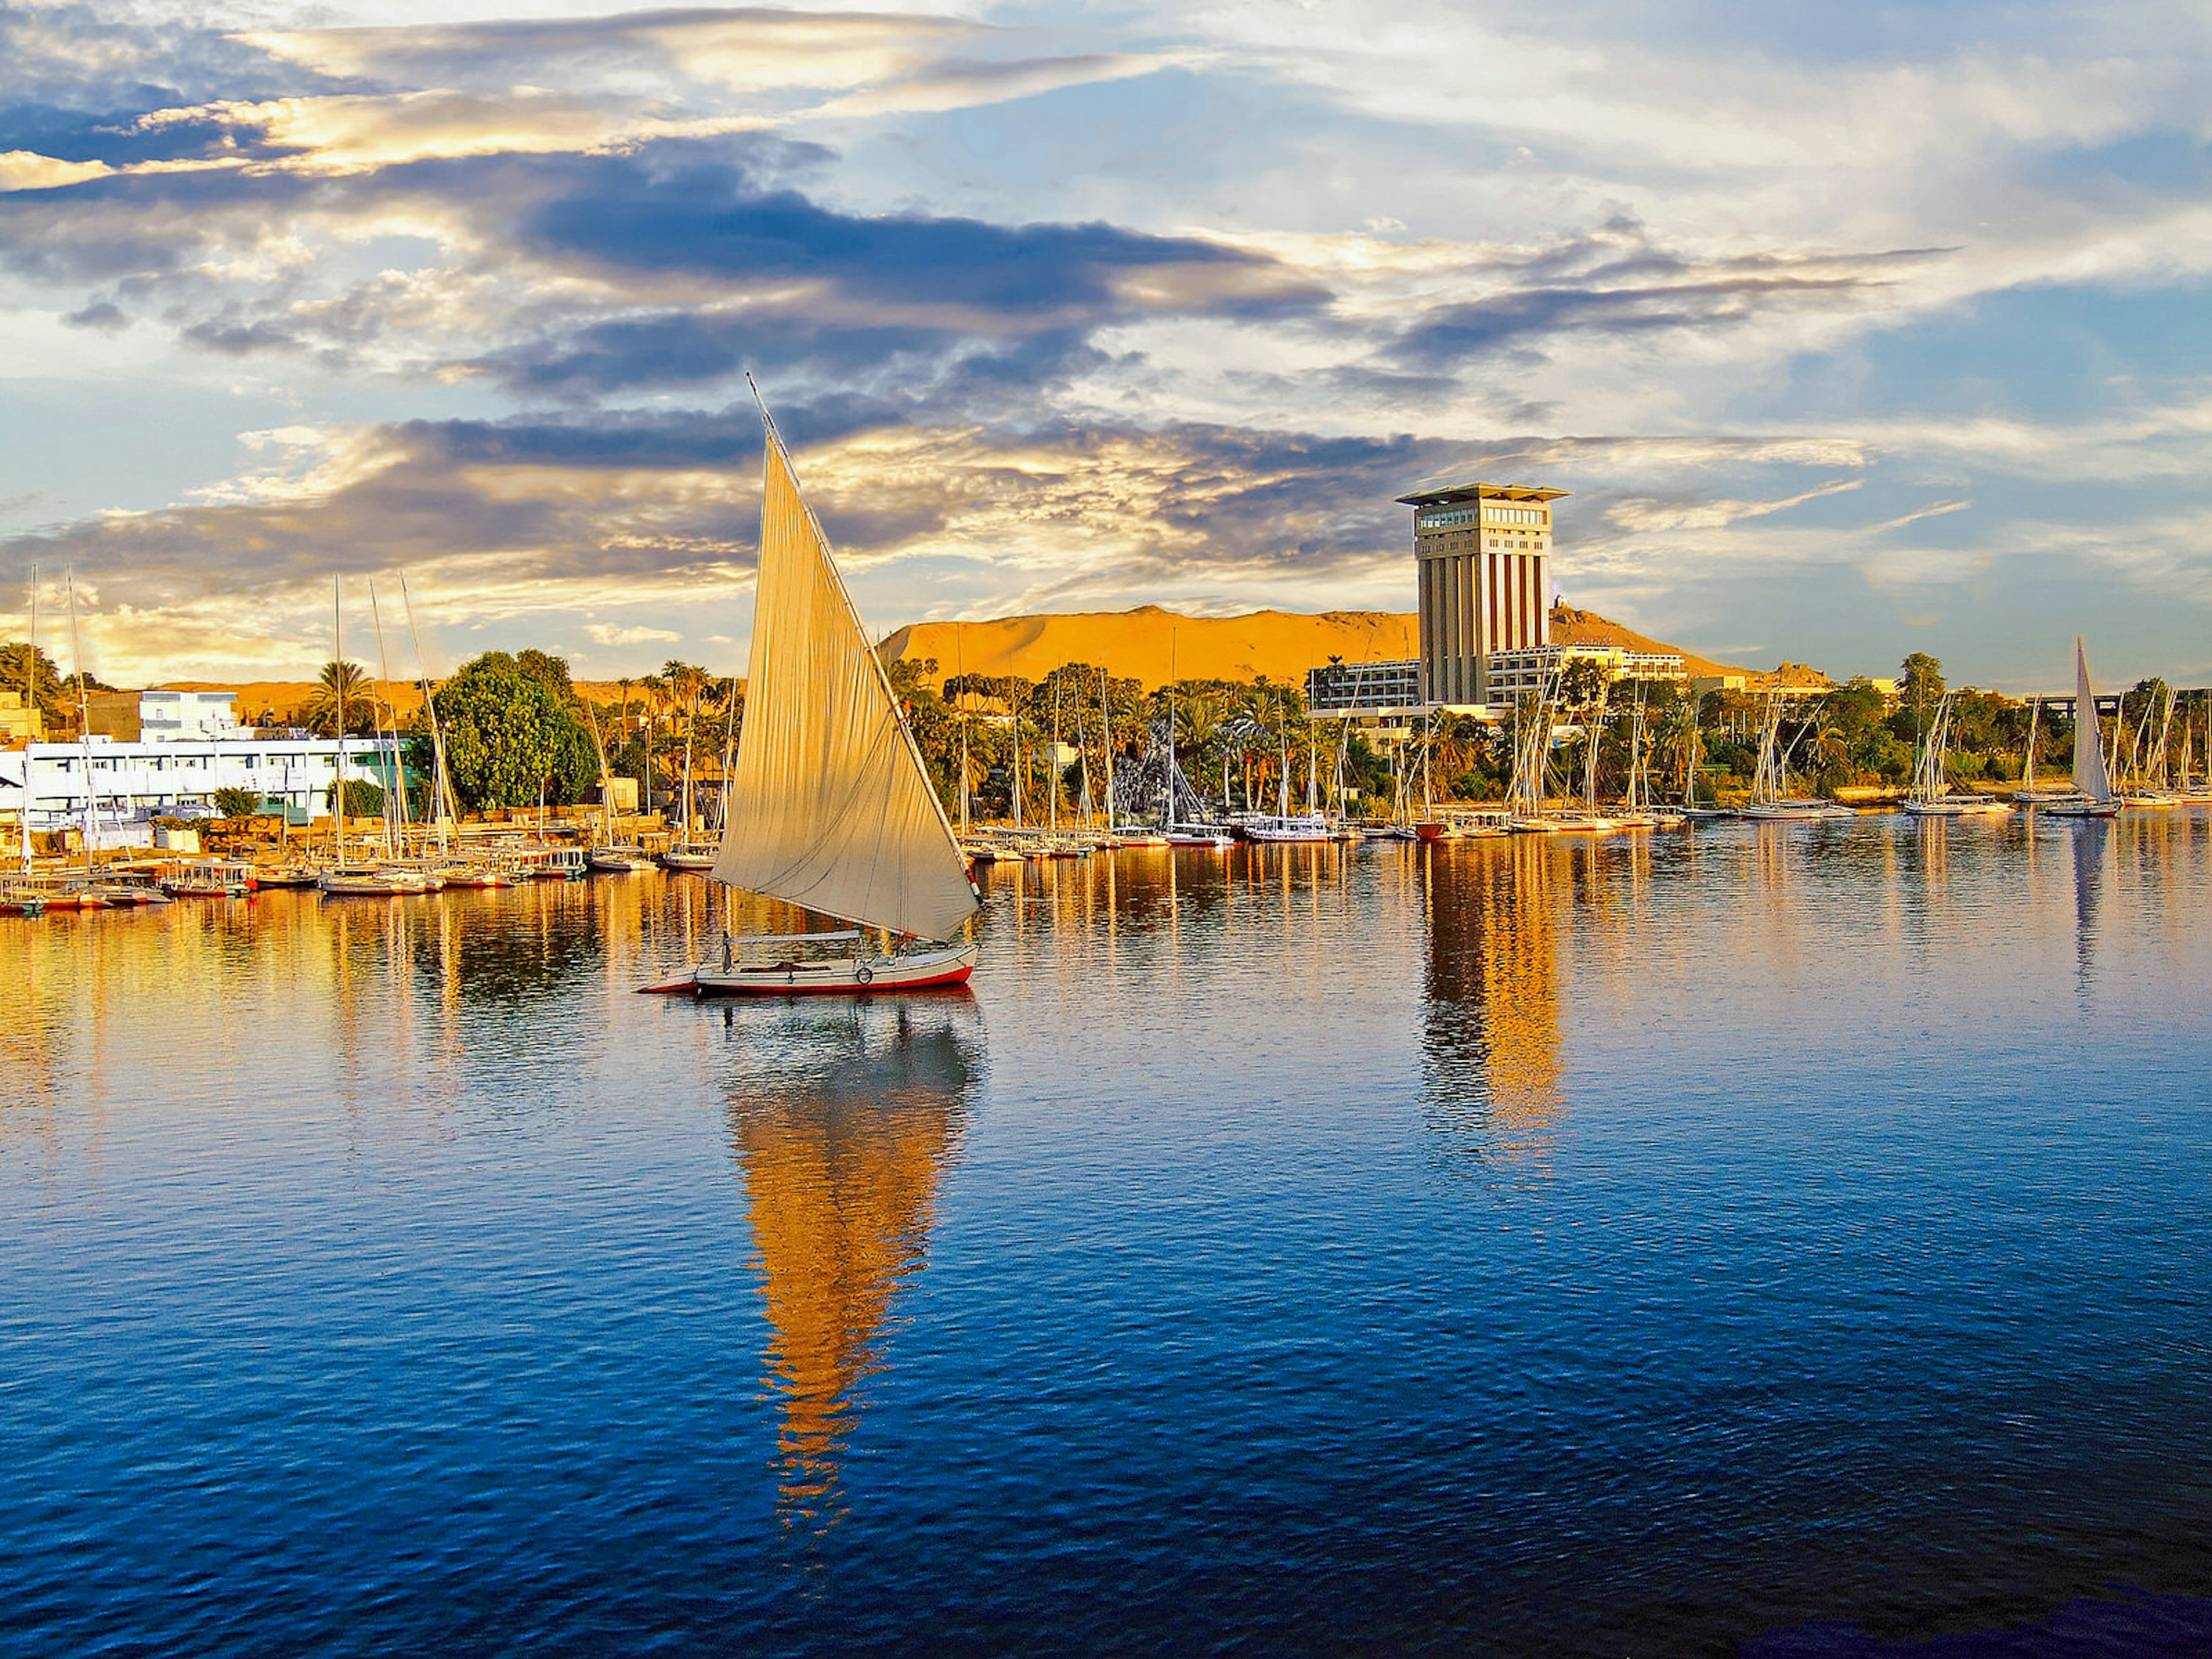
[1484, 552]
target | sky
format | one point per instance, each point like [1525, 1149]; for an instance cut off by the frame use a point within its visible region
[1851, 330]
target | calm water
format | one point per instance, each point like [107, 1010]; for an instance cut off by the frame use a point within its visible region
[1788, 1237]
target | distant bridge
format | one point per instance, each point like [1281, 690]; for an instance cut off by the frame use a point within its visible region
[2108, 703]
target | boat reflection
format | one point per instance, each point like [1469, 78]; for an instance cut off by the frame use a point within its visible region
[843, 1117]
[2089, 836]
[1490, 1042]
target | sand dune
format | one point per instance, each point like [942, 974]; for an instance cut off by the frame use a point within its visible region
[1139, 644]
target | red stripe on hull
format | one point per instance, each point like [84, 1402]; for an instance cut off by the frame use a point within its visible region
[953, 977]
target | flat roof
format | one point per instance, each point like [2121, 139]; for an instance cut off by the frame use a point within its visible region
[1480, 492]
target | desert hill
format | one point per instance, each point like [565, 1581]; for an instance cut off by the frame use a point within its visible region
[1573, 626]
[1142, 644]
[1139, 644]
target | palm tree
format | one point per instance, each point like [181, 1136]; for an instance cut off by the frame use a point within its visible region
[346, 681]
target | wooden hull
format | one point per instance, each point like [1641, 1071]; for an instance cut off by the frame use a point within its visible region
[923, 971]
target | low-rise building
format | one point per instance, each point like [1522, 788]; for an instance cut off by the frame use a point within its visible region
[19, 720]
[1370, 689]
[127, 785]
[161, 716]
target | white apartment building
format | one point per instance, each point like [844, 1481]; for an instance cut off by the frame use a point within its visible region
[127, 785]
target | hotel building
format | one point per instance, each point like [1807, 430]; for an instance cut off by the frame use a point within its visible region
[1483, 553]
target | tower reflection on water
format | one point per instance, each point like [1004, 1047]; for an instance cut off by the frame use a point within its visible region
[842, 1120]
[1491, 1040]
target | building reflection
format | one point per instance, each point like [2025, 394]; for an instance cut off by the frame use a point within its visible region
[843, 1118]
[1491, 1040]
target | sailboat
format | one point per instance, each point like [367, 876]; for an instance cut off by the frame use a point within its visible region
[830, 810]
[1770, 799]
[1531, 759]
[2090, 776]
[683, 852]
[1930, 796]
[1201, 836]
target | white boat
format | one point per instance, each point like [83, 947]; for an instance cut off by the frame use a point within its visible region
[687, 856]
[1301, 827]
[1138, 835]
[1185, 835]
[2090, 777]
[1771, 800]
[618, 860]
[831, 809]
[380, 881]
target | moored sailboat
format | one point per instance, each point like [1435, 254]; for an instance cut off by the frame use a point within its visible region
[2090, 776]
[831, 809]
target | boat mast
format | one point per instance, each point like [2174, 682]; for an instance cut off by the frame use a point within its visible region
[441, 784]
[1052, 767]
[36, 724]
[337, 721]
[1428, 742]
[1106, 742]
[1167, 818]
[2027, 770]
[1087, 809]
[84, 732]
[395, 835]
[684, 838]
[960, 671]
[606, 778]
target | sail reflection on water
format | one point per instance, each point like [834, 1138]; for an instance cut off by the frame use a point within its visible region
[2089, 836]
[1490, 1043]
[842, 1120]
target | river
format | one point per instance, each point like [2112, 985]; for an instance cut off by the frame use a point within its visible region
[1776, 1237]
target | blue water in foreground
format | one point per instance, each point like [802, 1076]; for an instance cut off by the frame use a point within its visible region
[1784, 1238]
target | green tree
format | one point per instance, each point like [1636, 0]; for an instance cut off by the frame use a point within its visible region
[1920, 685]
[363, 799]
[34, 673]
[1584, 683]
[509, 734]
[237, 802]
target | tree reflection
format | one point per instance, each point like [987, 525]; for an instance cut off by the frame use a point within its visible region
[843, 1119]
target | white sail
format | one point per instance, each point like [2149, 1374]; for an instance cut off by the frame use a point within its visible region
[829, 807]
[2089, 775]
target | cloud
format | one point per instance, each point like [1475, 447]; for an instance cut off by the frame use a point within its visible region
[608, 634]
[23, 169]
[1643, 514]
[744, 50]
